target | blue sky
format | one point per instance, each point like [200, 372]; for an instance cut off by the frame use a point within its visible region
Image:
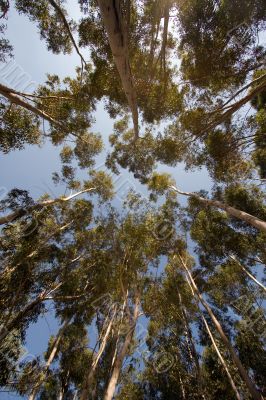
[31, 168]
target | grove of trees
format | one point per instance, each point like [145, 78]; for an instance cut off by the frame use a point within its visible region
[153, 299]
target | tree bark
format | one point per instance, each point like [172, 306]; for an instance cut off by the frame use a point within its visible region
[165, 37]
[191, 345]
[24, 211]
[250, 385]
[232, 383]
[248, 218]
[90, 377]
[116, 31]
[50, 359]
[122, 354]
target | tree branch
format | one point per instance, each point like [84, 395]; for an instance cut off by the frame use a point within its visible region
[66, 25]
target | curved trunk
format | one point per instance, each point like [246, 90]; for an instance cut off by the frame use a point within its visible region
[122, 354]
[116, 31]
[250, 385]
[236, 106]
[248, 218]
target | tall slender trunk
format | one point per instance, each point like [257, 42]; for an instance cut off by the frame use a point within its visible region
[122, 354]
[248, 273]
[20, 212]
[223, 362]
[90, 377]
[117, 35]
[50, 360]
[232, 383]
[248, 218]
[191, 346]
[250, 385]
[182, 387]
[119, 329]
[164, 39]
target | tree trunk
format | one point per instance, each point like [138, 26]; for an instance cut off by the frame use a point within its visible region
[122, 354]
[248, 218]
[164, 39]
[13, 98]
[236, 106]
[90, 377]
[24, 211]
[50, 360]
[251, 387]
[182, 387]
[116, 31]
[191, 346]
[249, 274]
[232, 383]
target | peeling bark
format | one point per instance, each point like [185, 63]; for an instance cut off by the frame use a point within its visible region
[116, 31]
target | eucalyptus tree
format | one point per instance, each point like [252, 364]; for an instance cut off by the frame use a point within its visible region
[92, 259]
[100, 268]
[39, 252]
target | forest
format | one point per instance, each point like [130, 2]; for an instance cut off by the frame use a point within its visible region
[161, 297]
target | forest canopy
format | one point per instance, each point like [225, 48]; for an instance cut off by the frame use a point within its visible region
[162, 297]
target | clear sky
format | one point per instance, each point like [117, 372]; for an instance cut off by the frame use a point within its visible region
[31, 169]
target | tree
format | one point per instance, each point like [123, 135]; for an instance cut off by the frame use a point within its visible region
[138, 317]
